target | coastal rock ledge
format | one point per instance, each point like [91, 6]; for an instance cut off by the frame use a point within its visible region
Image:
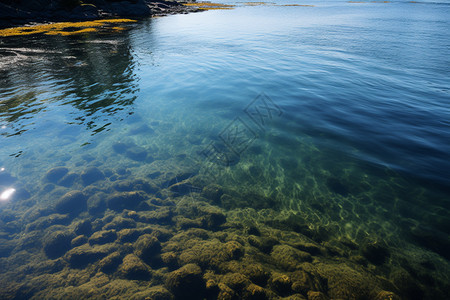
[13, 12]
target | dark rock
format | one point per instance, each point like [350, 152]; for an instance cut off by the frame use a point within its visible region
[125, 200]
[256, 274]
[91, 175]
[133, 268]
[432, 239]
[187, 280]
[57, 243]
[103, 237]
[47, 221]
[6, 247]
[68, 180]
[78, 241]
[83, 255]
[236, 281]
[281, 283]
[147, 247]
[162, 215]
[288, 257]
[213, 192]
[83, 227]
[264, 244]
[375, 252]
[121, 147]
[97, 203]
[136, 153]
[72, 202]
[55, 174]
[119, 223]
[128, 235]
[110, 263]
[211, 254]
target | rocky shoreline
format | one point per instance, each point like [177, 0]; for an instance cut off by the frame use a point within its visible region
[13, 13]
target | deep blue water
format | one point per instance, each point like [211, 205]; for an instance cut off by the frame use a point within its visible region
[355, 111]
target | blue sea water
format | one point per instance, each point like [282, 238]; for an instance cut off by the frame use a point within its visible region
[338, 111]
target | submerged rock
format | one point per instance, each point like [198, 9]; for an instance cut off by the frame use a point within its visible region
[103, 237]
[187, 282]
[55, 174]
[57, 243]
[147, 246]
[288, 257]
[375, 252]
[125, 200]
[110, 263]
[136, 153]
[72, 202]
[211, 254]
[91, 175]
[83, 255]
[134, 269]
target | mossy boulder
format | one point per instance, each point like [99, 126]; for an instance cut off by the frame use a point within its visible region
[133, 268]
[211, 254]
[83, 227]
[288, 257]
[55, 174]
[125, 200]
[97, 203]
[264, 244]
[110, 263]
[187, 282]
[91, 175]
[57, 243]
[79, 240]
[103, 237]
[72, 202]
[375, 252]
[83, 255]
[147, 247]
[119, 223]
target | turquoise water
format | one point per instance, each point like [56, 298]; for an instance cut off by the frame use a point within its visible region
[331, 122]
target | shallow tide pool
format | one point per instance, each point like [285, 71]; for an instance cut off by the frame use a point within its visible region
[264, 151]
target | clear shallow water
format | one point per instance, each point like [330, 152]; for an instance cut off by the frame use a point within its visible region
[356, 132]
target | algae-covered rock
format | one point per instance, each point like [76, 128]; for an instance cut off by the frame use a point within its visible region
[134, 268]
[210, 254]
[212, 192]
[162, 215]
[187, 282]
[304, 281]
[83, 227]
[68, 180]
[314, 295]
[375, 252]
[47, 221]
[97, 203]
[55, 174]
[110, 263]
[119, 223]
[136, 153]
[91, 175]
[79, 240]
[288, 257]
[255, 292]
[264, 244]
[235, 281]
[128, 235]
[155, 292]
[281, 283]
[57, 243]
[103, 237]
[125, 200]
[83, 255]
[72, 202]
[147, 246]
